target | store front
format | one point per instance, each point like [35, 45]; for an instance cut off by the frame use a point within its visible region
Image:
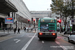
[5, 8]
[2, 23]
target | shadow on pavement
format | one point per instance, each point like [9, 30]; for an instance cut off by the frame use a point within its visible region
[4, 35]
[46, 39]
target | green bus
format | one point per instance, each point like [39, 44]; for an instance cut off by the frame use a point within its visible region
[47, 28]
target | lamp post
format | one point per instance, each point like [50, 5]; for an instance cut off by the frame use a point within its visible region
[72, 15]
[72, 9]
[34, 22]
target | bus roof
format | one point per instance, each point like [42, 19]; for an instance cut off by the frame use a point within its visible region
[48, 18]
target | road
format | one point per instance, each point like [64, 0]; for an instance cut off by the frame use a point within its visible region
[30, 41]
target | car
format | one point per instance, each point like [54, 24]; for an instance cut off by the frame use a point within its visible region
[71, 37]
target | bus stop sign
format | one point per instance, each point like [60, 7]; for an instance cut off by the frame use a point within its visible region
[73, 21]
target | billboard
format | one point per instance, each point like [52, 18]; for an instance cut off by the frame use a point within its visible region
[9, 20]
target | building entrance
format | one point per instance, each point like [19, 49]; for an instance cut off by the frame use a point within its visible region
[2, 23]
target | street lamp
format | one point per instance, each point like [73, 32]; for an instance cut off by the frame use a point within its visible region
[73, 15]
[72, 9]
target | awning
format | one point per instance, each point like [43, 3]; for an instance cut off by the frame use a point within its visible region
[21, 19]
[6, 6]
[3, 15]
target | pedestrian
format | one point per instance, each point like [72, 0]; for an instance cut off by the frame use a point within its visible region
[19, 30]
[24, 28]
[27, 29]
[14, 30]
[31, 29]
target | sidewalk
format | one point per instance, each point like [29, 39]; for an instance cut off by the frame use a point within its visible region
[6, 32]
[62, 33]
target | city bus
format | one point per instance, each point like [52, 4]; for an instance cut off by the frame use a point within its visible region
[47, 28]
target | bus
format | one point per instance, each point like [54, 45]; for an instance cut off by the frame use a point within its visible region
[47, 28]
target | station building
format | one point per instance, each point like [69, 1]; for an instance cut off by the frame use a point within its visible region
[39, 14]
[15, 9]
[22, 15]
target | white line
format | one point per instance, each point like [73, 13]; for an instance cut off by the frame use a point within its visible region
[64, 48]
[57, 42]
[27, 44]
[18, 41]
[15, 39]
[42, 41]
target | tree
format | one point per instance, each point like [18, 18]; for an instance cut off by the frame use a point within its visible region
[57, 6]
[66, 10]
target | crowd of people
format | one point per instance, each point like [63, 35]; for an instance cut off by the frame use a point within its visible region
[25, 29]
[16, 30]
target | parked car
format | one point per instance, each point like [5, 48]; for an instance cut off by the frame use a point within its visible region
[71, 37]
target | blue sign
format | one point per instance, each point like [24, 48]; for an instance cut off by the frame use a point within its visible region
[9, 20]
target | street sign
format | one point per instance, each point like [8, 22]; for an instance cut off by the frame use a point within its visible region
[9, 20]
[73, 21]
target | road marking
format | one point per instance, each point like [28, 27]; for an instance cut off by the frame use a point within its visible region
[27, 44]
[17, 40]
[57, 42]
[63, 47]
[42, 41]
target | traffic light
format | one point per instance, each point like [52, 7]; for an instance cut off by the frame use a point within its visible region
[59, 21]
[34, 20]
[28, 21]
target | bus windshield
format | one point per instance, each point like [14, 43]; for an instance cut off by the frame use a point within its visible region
[44, 27]
[49, 21]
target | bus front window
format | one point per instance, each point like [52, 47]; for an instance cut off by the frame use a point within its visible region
[44, 27]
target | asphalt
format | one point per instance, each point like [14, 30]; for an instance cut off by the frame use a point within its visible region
[36, 44]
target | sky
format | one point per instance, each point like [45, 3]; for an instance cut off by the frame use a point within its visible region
[38, 5]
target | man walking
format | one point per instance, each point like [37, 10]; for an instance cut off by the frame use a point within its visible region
[14, 30]
[19, 30]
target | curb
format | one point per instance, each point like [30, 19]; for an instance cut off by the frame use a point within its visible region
[3, 35]
[64, 36]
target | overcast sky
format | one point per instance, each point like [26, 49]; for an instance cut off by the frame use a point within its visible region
[37, 5]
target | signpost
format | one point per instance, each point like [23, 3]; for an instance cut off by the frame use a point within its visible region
[9, 20]
[73, 24]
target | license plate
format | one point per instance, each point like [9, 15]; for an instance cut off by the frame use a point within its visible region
[46, 33]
